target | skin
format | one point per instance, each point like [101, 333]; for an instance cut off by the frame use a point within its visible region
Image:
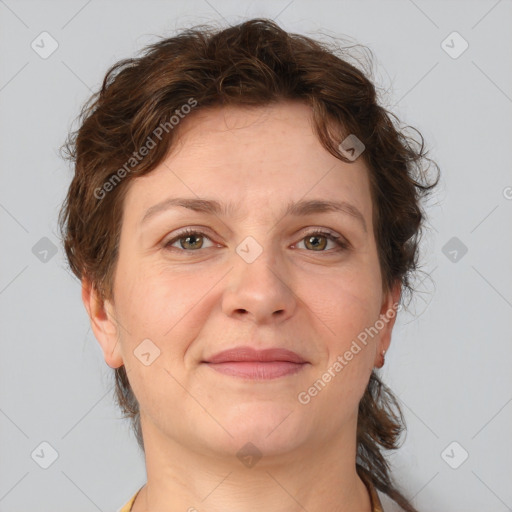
[197, 302]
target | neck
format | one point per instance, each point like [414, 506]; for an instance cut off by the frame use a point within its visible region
[315, 478]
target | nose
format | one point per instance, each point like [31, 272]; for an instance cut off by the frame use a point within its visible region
[260, 291]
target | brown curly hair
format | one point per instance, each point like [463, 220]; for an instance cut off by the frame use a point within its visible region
[254, 63]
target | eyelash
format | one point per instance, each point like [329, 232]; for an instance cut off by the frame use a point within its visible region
[338, 240]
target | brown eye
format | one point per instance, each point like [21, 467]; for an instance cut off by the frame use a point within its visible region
[316, 242]
[189, 241]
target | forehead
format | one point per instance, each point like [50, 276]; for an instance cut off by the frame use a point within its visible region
[254, 157]
[259, 135]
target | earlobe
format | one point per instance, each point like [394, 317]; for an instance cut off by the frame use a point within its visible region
[103, 323]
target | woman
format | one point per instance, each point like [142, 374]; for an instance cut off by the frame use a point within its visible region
[244, 218]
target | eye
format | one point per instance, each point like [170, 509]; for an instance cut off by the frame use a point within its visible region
[189, 240]
[317, 241]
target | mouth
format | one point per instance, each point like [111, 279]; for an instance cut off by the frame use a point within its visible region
[248, 363]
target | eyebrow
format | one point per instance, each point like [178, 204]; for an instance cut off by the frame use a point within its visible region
[298, 209]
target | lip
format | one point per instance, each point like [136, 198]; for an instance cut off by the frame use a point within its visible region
[249, 363]
[249, 354]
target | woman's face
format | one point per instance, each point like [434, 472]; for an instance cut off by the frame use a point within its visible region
[253, 275]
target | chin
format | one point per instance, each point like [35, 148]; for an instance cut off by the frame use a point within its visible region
[273, 428]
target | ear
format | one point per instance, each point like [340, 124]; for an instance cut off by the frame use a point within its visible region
[102, 323]
[388, 315]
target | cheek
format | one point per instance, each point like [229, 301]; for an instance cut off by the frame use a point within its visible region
[348, 302]
[163, 308]
[348, 305]
[163, 305]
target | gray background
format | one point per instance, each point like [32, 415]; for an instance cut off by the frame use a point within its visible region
[450, 358]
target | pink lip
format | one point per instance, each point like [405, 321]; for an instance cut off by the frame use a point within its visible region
[245, 354]
[248, 363]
